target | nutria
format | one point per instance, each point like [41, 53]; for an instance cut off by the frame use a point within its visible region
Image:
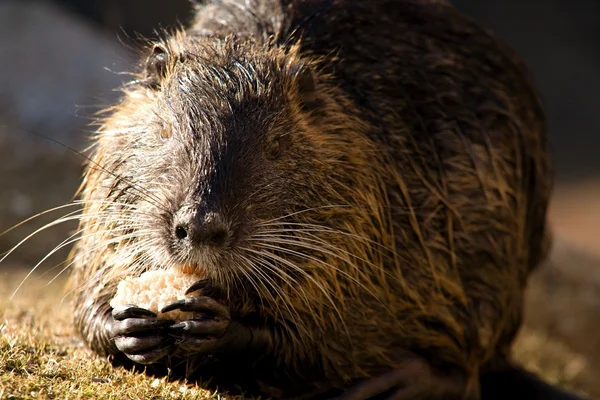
[365, 185]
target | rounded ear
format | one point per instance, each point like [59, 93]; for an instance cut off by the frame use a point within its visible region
[156, 66]
[306, 85]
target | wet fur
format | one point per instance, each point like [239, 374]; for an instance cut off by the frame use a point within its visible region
[418, 166]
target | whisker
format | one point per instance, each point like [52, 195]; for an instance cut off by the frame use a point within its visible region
[317, 284]
[53, 251]
[36, 216]
[96, 165]
[300, 235]
[248, 275]
[68, 217]
[297, 320]
[301, 241]
[303, 211]
[328, 265]
[323, 229]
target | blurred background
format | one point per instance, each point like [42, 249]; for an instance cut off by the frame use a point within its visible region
[61, 61]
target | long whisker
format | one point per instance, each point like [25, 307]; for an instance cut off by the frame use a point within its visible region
[303, 211]
[299, 240]
[94, 248]
[62, 219]
[320, 228]
[36, 216]
[261, 282]
[317, 284]
[248, 275]
[321, 262]
[57, 248]
[297, 320]
[138, 263]
[96, 165]
[68, 217]
[298, 236]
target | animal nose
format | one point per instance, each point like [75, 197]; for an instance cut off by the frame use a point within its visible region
[200, 228]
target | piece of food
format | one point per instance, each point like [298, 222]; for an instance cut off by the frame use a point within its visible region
[155, 289]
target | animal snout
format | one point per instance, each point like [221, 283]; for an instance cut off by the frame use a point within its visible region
[196, 227]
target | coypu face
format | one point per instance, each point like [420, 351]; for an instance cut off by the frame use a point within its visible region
[224, 154]
[232, 153]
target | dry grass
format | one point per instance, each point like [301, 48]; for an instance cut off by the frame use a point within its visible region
[40, 357]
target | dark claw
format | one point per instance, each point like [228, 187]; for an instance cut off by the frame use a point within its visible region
[132, 345]
[202, 284]
[207, 288]
[173, 306]
[199, 304]
[209, 327]
[139, 325]
[139, 334]
[130, 311]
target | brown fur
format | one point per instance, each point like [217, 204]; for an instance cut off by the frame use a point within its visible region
[419, 164]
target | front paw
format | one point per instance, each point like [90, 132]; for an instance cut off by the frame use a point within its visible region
[211, 329]
[139, 335]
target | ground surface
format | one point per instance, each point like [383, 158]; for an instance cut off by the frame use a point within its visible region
[40, 357]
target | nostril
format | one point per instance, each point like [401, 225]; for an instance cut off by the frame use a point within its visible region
[180, 232]
[195, 228]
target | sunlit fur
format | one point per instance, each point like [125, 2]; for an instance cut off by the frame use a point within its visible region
[404, 214]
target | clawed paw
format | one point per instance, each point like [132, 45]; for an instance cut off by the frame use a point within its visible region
[145, 339]
[209, 323]
[139, 334]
